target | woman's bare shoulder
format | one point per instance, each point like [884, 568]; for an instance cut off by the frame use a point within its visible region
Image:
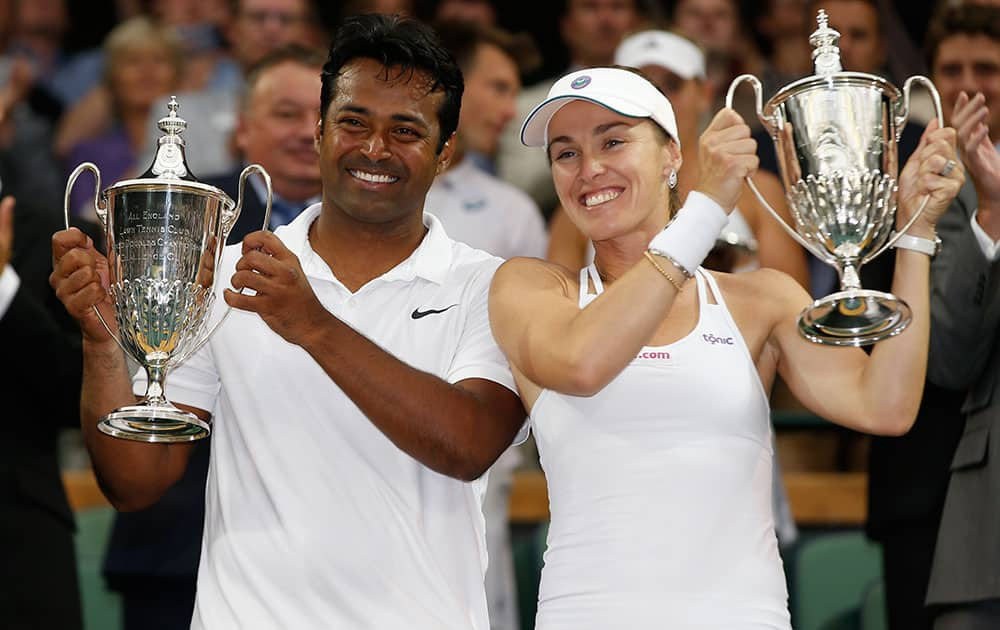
[762, 289]
[536, 273]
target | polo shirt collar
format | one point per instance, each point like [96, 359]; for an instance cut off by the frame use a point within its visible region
[431, 260]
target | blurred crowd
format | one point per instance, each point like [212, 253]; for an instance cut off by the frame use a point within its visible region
[87, 81]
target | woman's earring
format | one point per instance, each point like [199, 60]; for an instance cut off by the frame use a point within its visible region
[672, 180]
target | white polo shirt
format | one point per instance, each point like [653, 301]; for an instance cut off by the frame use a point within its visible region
[487, 213]
[314, 518]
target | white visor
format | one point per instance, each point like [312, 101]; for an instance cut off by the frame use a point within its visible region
[621, 91]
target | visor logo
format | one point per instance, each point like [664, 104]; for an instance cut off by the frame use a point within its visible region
[580, 82]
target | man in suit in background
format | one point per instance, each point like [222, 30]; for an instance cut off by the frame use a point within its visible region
[965, 577]
[153, 554]
[40, 373]
[909, 475]
[275, 127]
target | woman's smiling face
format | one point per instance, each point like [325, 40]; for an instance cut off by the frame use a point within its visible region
[611, 171]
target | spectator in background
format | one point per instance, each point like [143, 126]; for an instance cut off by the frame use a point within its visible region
[782, 31]
[196, 25]
[199, 25]
[259, 27]
[718, 27]
[277, 119]
[385, 7]
[964, 582]
[475, 207]
[153, 554]
[908, 476]
[41, 374]
[39, 27]
[487, 213]
[481, 12]
[591, 30]
[28, 112]
[255, 29]
[143, 64]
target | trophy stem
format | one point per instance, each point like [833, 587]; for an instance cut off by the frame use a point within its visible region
[154, 391]
[849, 278]
[154, 418]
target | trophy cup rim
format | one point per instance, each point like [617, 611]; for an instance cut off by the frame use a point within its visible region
[156, 185]
[859, 79]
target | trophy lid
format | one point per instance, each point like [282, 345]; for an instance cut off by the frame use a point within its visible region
[169, 171]
[170, 162]
[826, 49]
[829, 76]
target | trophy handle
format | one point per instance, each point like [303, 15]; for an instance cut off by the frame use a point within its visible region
[770, 126]
[102, 214]
[901, 119]
[102, 210]
[758, 98]
[228, 221]
[904, 115]
[253, 168]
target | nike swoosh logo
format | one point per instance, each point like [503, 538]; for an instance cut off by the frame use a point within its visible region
[417, 313]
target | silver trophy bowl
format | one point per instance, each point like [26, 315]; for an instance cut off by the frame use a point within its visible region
[836, 135]
[165, 235]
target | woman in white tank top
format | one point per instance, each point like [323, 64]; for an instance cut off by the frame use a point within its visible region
[648, 393]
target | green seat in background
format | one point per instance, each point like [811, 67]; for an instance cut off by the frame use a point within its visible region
[528, 548]
[101, 607]
[833, 571]
[873, 607]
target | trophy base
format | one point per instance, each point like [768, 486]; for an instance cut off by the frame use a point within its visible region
[854, 318]
[154, 423]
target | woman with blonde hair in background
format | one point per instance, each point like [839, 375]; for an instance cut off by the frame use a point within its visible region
[143, 63]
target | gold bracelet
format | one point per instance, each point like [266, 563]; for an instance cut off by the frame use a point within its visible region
[677, 285]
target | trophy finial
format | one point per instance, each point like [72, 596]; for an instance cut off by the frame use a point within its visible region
[170, 162]
[826, 49]
[172, 124]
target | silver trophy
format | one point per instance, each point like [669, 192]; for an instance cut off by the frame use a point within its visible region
[835, 134]
[165, 234]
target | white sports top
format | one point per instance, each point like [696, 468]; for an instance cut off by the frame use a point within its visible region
[660, 489]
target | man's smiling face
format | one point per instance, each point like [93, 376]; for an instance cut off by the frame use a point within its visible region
[378, 143]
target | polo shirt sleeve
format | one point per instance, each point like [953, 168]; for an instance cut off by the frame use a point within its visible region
[195, 382]
[477, 354]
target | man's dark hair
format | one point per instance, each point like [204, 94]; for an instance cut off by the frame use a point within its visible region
[463, 39]
[966, 19]
[403, 46]
[294, 53]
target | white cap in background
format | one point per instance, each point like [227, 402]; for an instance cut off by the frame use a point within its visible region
[660, 48]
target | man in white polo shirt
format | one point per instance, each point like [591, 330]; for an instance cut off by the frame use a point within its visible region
[357, 393]
[475, 206]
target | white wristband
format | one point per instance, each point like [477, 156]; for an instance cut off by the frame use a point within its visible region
[923, 245]
[692, 233]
